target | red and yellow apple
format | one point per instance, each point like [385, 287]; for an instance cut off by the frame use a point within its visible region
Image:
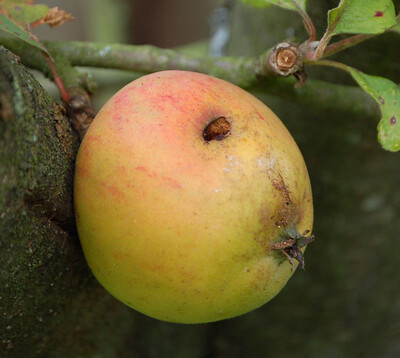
[183, 183]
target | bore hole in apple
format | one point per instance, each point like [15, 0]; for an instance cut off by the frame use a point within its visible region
[217, 129]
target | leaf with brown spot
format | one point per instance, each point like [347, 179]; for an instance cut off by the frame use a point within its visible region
[358, 17]
[18, 16]
[387, 94]
[361, 17]
[14, 29]
[22, 12]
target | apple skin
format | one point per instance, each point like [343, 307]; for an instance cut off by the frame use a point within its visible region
[180, 228]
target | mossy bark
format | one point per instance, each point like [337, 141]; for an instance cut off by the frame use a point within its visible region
[49, 302]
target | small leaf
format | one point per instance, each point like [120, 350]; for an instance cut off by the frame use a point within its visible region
[287, 4]
[15, 15]
[12, 28]
[22, 11]
[361, 17]
[18, 16]
[54, 17]
[387, 95]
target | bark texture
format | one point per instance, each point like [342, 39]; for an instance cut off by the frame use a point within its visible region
[49, 302]
[346, 303]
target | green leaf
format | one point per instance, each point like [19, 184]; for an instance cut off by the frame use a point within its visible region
[23, 11]
[16, 15]
[387, 95]
[286, 4]
[361, 17]
[12, 28]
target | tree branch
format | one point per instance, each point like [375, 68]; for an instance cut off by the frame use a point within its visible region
[243, 71]
[253, 73]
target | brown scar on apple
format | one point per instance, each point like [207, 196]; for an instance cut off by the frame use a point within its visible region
[287, 211]
[292, 242]
[217, 129]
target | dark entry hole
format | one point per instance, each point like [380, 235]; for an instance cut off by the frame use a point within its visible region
[217, 129]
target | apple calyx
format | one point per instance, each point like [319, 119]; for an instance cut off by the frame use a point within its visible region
[291, 244]
[217, 129]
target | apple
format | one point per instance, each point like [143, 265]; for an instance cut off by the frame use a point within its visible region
[187, 191]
